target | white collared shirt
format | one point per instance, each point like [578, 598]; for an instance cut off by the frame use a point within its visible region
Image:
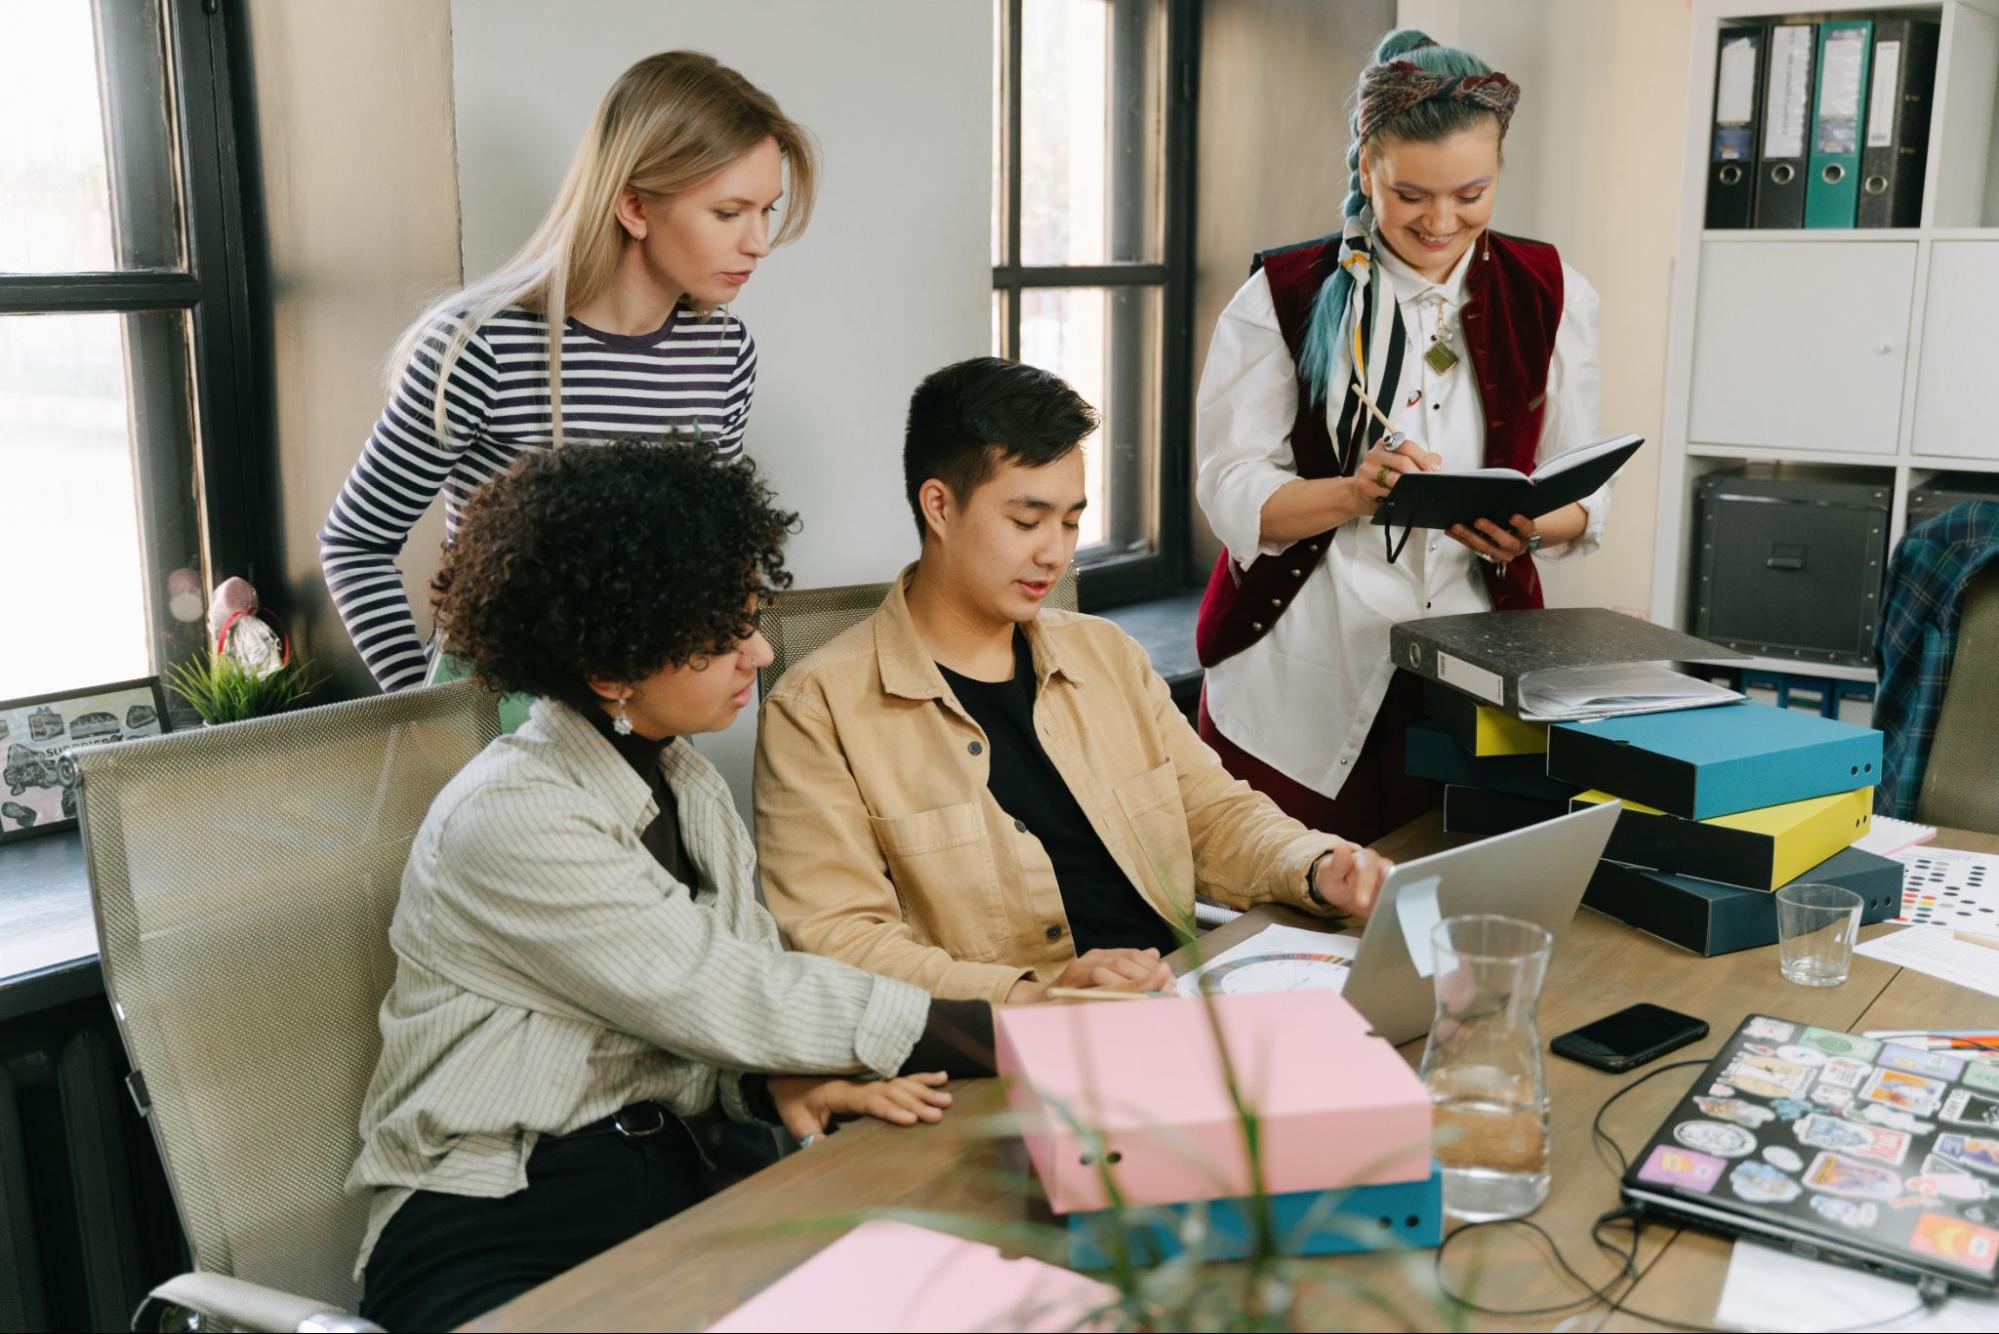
[1302, 698]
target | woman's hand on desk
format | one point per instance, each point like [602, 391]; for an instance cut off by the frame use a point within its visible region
[807, 1106]
[1111, 970]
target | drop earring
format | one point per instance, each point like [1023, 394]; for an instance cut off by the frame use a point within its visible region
[622, 724]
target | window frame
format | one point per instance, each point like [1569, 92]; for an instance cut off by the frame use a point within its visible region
[229, 467]
[1114, 578]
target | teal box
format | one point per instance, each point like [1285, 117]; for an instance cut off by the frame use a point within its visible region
[1699, 763]
[1308, 1222]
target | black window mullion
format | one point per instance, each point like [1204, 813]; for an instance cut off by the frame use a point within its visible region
[1010, 253]
[39, 294]
[239, 508]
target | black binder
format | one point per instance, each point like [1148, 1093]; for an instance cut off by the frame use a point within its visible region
[1898, 124]
[1738, 86]
[1790, 73]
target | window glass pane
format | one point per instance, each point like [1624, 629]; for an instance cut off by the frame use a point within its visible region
[1105, 342]
[105, 580]
[89, 184]
[1091, 123]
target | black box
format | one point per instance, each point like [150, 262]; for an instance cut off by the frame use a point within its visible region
[1483, 812]
[1790, 567]
[1712, 919]
[1949, 490]
[1430, 751]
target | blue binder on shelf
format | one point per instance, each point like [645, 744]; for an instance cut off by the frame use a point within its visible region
[1307, 1222]
[1832, 187]
[1700, 763]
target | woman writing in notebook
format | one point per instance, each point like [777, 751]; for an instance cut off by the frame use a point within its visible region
[611, 321]
[1416, 340]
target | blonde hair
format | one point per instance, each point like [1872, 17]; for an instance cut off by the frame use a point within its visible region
[669, 122]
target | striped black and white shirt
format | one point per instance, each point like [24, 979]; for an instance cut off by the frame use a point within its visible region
[691, 374]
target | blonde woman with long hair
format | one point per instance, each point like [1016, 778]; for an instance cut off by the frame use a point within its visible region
[611, 321]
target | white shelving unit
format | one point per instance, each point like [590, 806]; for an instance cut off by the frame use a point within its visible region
[1868, 349]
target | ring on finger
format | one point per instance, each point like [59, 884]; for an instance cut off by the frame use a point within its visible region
[1381, 475]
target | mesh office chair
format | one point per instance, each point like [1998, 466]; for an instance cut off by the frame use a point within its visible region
[802, 622]
[1958, 789]
[243, 879]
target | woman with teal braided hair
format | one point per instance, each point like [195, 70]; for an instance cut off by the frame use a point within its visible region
[1415, 338]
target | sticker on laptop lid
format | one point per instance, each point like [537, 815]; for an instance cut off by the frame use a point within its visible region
[1919, 1095]
[1715, 1137]
[1965, 1108]
[1670, 1165]
[1831, 1095]
[1974, 1152]
[1935, 1064]
[1770, 1030]
[1982, 1075]
[1760, 1183]
[1951, 1185]
[1767, 1076]
[1783, 1159]
[1853, 1137]
[1735, 1110]
[1841, 1044]
[1876, 1114]
[1844, 1072]
[1956, 1242]
[1799, 1054]
[1790, 1109]
[1849, 1176]
[1847, 1213]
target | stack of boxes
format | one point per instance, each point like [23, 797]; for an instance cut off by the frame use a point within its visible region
[1133, 1097]
[1723, 805]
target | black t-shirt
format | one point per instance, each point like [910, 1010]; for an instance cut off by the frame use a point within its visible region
[1105, 910]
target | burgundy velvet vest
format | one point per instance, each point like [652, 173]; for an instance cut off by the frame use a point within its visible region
[1513, 304]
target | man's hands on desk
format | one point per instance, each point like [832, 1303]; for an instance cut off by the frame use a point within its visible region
[807, 1105]
[1106, 970]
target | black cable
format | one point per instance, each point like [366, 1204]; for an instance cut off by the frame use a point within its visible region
[1929, 1294]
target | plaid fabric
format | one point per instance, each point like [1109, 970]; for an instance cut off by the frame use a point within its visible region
[1917, 639]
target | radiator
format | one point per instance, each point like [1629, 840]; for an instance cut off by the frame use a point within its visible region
[87, 1224]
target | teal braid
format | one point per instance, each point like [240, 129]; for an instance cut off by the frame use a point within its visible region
[1426, 122]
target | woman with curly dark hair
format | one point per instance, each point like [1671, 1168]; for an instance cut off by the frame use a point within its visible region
[583, 971]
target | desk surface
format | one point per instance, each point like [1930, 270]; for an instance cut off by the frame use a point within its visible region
[689, 1271]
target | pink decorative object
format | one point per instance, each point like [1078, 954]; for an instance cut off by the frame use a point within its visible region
[886, 1276]
[1337, 1105]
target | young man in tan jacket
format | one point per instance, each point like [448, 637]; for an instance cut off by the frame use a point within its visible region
[984, 798]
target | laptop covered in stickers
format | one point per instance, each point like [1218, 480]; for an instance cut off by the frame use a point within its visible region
[1838, 1147]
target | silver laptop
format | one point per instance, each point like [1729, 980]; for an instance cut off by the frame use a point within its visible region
[1537, 874]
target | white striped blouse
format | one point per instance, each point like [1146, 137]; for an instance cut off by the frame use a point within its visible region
[690, 375]
[549, 971]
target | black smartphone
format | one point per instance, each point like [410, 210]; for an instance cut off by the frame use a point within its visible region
[1629, 1038]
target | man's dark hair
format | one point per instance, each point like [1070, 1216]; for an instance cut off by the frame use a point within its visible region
[967, 419]
[608, 562]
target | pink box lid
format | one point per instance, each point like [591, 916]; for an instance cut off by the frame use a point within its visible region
[1338, 1105]
[889, 1276]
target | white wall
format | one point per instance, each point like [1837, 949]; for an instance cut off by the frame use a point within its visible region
[1593, 166]
[892, 280]
[352, 107]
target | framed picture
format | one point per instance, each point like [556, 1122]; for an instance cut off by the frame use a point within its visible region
[35, 732]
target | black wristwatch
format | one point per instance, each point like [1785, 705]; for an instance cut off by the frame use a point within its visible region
[1312, 877]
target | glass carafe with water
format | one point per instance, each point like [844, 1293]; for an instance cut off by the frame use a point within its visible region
[1488, 1092]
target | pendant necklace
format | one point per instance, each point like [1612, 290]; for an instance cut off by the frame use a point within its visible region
[1441, 356]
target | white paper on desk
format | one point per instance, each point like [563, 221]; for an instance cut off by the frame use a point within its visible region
[1887, 836]
[1933, 950]
[1771, 1289]
[1274, 940]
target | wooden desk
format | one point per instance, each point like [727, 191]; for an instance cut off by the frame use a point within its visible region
[692, 1269]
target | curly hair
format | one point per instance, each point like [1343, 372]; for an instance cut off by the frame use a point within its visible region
[609, 562]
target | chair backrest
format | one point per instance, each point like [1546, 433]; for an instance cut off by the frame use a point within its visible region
[1958, 790]
[806, 620]
[243, 878]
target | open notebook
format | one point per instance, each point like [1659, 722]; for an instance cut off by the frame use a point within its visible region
[1440, 499]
